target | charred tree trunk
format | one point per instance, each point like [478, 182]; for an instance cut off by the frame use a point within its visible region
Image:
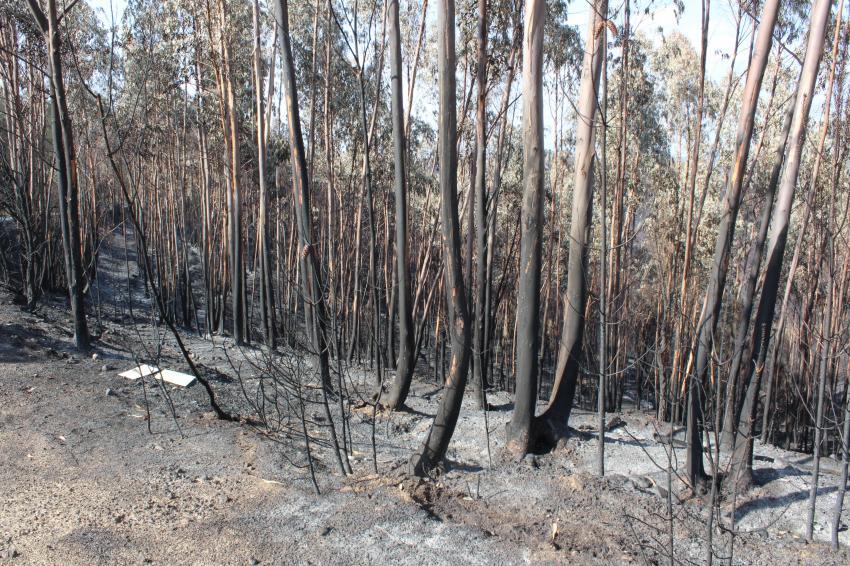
[845, 463]
[406, 360]
[375, 333]
[267, 309]
[616, 296]
[66, 164]
[711, 309]
[519, 432]
[603, 262]
[480, 359]
[822, 376]
[437, 441]
[235, 249]
[553, 422]
[311, 276]
[754, 256]
[743, 454]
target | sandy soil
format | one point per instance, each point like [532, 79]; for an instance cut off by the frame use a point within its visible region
[98, 469]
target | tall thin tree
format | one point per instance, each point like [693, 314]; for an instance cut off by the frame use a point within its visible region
[712, 304]
[310, 273]
[406, 361]
[231, 126]
[480, 206]
[553, 421]
[437, 441]
[267, 309]
[780, 220]
[747, 294]
[520, 434]
[66, 164]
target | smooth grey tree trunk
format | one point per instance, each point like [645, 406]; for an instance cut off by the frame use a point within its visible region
[552, 423]
[520, 435]
[406, 360]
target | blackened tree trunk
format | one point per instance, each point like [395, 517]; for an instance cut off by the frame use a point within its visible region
[235, 248]
[742, 457]
[747, 300]
[717, 279]
[770, 365]
[693, 166]
[617, 298]
[553, 421]
[491, 300]
[822, 375]
[267, 309]
[437, 441]
[375, 338]
[520, 435]
[845, 463]
[480, 358]
[406, 360]
[311, 275]
[66, 164]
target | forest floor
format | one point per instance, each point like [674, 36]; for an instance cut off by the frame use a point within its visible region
[97, 469]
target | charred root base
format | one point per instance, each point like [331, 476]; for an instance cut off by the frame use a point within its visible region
[423, 464]
[544, 435]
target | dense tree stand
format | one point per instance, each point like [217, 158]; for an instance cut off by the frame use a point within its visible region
[356, 210]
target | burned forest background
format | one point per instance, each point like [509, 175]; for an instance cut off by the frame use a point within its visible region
[478, 194]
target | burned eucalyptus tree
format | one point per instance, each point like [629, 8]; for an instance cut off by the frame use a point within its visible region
[231, 128]
[311, 277]
[66, 165]
[747, 294]
[552, 423]
[267, 305]
[480, 212]
[707, 325]
[406, 361]
[519, 432]
[780, 220]
[437, 441]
